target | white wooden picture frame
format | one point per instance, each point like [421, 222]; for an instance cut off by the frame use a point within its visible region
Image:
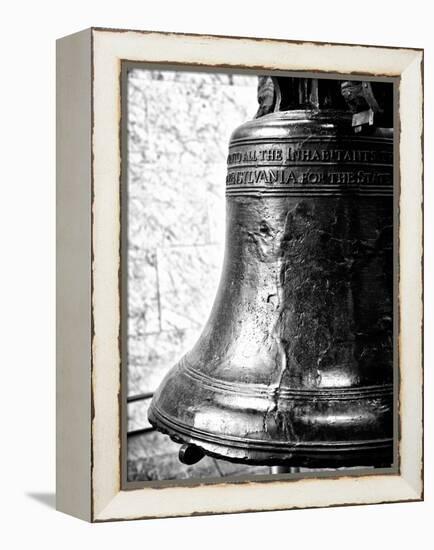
[89, 468]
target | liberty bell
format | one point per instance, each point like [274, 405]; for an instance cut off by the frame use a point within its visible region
[295, 364]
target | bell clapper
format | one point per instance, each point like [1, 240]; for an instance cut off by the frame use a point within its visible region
[190, 454]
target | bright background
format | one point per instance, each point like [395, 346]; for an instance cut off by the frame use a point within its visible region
[27, 103]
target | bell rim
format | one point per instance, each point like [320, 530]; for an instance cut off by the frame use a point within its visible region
[365, 453]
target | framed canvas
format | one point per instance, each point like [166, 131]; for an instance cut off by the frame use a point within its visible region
[239, 274]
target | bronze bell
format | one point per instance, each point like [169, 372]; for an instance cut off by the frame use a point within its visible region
[295, 364]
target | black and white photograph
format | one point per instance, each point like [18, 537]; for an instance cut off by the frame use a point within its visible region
[216, 287]
[258, 274]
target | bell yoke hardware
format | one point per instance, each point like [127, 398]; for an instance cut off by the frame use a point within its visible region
[294, 366]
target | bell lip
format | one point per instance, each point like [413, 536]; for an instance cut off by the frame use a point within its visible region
[367, 448]
[369, 453]
[280, 124]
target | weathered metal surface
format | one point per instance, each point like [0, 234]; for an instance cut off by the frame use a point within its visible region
[294, 365]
